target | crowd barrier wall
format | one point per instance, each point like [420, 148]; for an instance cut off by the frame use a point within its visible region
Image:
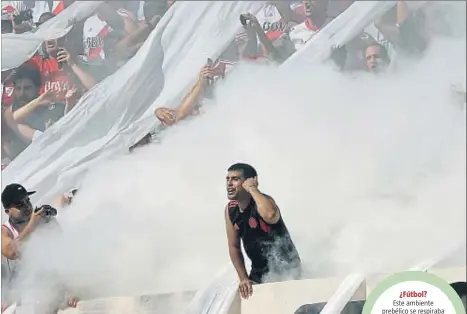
[273, 298]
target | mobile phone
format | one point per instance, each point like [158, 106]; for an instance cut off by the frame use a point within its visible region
[60, 64]
[209, 63]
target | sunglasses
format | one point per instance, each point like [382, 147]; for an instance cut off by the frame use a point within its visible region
[25, 203]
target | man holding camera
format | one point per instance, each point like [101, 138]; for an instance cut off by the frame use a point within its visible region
[23, 219]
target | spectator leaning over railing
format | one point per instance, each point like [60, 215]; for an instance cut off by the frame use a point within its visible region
[60, 70]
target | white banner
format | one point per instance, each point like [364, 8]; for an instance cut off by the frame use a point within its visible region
[120, 110]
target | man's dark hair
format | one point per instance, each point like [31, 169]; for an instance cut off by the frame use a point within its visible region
[247, 170]
[28, 72]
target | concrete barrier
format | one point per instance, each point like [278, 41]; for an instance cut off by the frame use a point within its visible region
[274, 298]
[452, 274]
[168, 303]
[289, 296]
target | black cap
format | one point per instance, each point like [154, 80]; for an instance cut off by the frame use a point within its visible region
[14, 194]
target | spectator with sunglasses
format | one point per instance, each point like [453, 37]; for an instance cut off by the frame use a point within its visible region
[22, 221]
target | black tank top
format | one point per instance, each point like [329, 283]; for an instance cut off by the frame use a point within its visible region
[268, 246]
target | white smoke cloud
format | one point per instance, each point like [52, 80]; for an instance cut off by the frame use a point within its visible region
[369, 173]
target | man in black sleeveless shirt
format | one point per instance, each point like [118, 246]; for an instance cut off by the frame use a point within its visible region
[255, 218]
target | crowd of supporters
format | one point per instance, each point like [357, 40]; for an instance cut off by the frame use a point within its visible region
[281, 28]
[46, 87]
[49, 85]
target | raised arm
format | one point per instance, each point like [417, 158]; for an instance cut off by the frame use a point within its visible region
[267, 207]
[23, 112]
[85, 78]
[188, 104]
[402, 31]
[266, 44]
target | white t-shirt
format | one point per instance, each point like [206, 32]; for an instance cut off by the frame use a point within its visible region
[40, 7]
[300, 34]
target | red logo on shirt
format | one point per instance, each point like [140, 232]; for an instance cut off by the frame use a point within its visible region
[264, 226]
[253, 223]
[7, 96]
[9, 91]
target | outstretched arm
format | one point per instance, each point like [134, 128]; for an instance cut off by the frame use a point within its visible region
[235, 251]
[189, 102]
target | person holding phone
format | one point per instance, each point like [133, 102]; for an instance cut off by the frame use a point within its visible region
[279, 51]
[62, 74]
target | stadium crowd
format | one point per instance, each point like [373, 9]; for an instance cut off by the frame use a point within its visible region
[49, 85]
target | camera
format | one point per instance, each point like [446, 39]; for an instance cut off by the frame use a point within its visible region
[47, 211]
[23, 16]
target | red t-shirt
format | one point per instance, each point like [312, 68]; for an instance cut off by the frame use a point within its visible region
[53, 78]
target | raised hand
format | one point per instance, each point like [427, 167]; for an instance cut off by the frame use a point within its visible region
[250, 184]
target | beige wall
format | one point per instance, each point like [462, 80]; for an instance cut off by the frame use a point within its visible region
[287, 297]
[274, 298]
